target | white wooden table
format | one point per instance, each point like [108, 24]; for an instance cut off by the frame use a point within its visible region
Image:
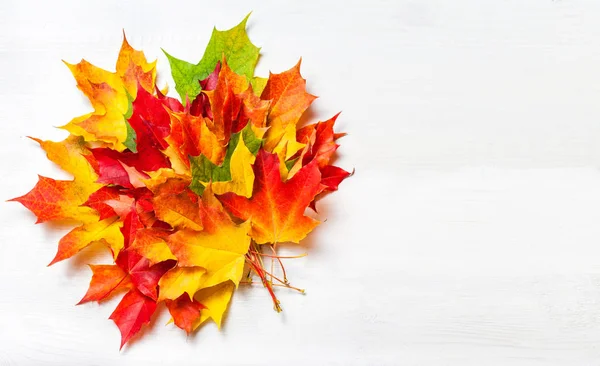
[470, 234]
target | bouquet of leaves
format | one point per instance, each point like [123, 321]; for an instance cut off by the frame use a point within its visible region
[190, 196]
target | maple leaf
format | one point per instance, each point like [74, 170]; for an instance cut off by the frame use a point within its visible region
[150, 121]
[107, 231]
[320, 139]
[185, 312]
[134, 70]
[276, 208]
[69, 154]
[132, 313]
[332, 176]
[58, 200]
[106, 280]
[289, 100]
[234, 44]
[215, 300]
[108, 92]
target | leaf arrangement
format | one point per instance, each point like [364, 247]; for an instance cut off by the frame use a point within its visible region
[191, 197]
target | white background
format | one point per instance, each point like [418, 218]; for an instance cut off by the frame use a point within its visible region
[469, 235]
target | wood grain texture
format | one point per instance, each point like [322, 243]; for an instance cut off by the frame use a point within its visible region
[468, 236]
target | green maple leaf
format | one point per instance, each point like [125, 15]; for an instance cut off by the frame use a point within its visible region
[204, 170]
[234, 44]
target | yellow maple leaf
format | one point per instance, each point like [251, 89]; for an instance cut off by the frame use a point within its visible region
[107, 230]
[110, 95]
[215, 299]
[180, 280]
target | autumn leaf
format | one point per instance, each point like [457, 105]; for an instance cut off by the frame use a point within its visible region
[151, 122]
[69, 154]
[106, 280]
[332, 176]
[321, 138]
[289, 100]
[185, 312]
[107, 231]
[132, 313]
[58, 200]
[276, 208]
[134, 70]
[215, 299]
[108, 93]
[234, 44]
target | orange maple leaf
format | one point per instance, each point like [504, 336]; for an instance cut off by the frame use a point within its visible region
[276, 208]
[289, 100]
[106, 279]
[57, 200]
